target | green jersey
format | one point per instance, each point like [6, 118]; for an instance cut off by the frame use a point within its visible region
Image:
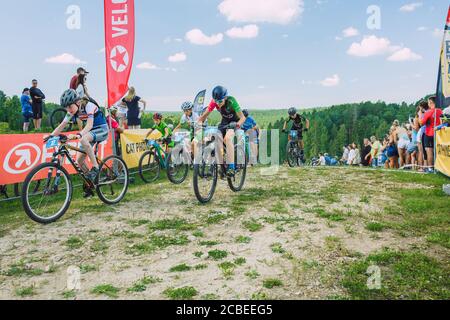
[161, 127]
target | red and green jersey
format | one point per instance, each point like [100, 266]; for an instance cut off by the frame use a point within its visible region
[229, 111]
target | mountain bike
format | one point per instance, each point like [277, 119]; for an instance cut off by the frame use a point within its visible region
[48, 189]
[156, 158]
[294, 154]
[207, 168]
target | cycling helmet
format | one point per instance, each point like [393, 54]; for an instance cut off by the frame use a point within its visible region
[157, 116]
[219, 93]
[69, 97]
[292, 111]
[245, 112]
[187, 106]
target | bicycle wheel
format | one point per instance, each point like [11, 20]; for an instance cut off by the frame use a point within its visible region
[237, 182]
[149, 168]
[57, 117]
[205, 181]
[113, 180]
[177, 168]
[290, 155]
[47, 193]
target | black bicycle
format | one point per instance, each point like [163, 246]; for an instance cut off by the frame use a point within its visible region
[294, 154]
[208, 169]
[48, 189]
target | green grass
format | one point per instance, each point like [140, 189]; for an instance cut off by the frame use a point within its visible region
[74, 243]
[240, 261]
[272, 283]
[22, 269]
[25, 292]
[138, 223]
[243, 239]
[375, 226]
[198, 254]
[142, 284]
[227, 269]
[404, 275]
[217, 254]
[209, 243]
[277, 248]
[185, 293]
[440, 237]
[335, 216]
[171, 224]
[70, 294]
[157, 242]
[252, 274]
[252, 225]
[106, 290]
[201, 267]
[180, 268]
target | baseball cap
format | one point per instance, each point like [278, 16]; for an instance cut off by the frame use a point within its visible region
[82, 69]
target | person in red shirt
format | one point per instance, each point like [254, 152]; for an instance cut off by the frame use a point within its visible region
[74, 80]
[114, 124]
[430, 119]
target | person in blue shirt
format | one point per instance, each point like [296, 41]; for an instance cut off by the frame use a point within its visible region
[27, 110]
[251, 129]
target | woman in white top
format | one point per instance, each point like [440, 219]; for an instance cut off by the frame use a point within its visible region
[402, 140]
[351, 156]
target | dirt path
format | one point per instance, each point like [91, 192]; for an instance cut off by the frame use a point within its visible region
[284, 237]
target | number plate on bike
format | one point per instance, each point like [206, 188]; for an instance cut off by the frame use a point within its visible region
[52, 143]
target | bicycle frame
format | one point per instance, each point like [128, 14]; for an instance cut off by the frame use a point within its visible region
[159, 152]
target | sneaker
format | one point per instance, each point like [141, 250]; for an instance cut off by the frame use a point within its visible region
[92, 175]
[88, 194]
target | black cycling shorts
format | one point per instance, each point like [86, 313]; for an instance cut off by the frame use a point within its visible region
[428, 142]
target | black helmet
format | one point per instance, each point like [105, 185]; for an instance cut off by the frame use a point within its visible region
[245, 112]
[292, 111]
[69, 97]
[219, 93]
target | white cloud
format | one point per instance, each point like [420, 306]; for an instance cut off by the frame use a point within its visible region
[178, 57]
[65, 58]
[332, 81]
[225, 60]
[147, 66]
[422, 28]
[371, 46]
[196, 36]
[272, 11]
[171, 69]
[350, 32]
[404, 54]
[338, 38]
[411, 7]
[246, 32]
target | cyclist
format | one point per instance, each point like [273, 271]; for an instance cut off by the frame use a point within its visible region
[163, 128]
[300, 124]
[231, 113]
[95, 129]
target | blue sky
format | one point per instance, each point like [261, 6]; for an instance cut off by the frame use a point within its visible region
[281, 53]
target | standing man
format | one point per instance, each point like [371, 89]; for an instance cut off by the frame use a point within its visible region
[366, 153]
[431, 119]
[74, 80]
[37, 97]
[27, 110]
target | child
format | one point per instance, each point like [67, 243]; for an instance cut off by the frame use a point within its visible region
[162, 127]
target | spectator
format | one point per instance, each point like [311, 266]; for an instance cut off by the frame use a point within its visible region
[366, 153]
[134, 113]
[112, 123]
[345, 155]
[401, 139]
[37, 97]
[74, 80]
[412, 147]
[351, 155]
[375, 151]
[27, 110]
[357, 159]
[431, 119]
[322, 160]
[81, 87]
[392, 150]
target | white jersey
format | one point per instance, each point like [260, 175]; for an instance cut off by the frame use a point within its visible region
[190, 120]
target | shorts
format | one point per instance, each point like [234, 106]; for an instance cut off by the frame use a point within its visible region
[412, 147]
[27, 117]
[428, 142]
[403, 144]
[37, 111]
[98, 134]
